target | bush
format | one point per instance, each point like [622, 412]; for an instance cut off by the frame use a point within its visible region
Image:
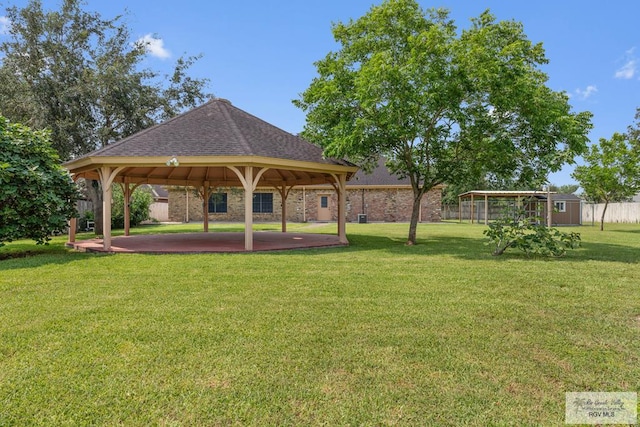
[530, 235]
[37, 195]
[83, 221]
[141, 200]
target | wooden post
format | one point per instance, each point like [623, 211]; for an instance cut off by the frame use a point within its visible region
[283, 198]
[186, 211]
[549, 207]
[486, 209]
[472, 209]
[248, 208]
[205, 206]
[342, 208]
[107, 176]
[127, 208]
[73, 225]
[249, 182]
[106, 207]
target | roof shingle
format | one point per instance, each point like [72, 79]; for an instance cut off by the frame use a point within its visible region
[216, 128]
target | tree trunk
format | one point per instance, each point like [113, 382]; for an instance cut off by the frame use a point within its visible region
[94, 191]
[604, 210]
[415, 216]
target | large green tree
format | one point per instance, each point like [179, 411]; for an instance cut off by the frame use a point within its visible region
[442, 106]
[81, 76]
[37, 196]
[633, 131]
[611, 172]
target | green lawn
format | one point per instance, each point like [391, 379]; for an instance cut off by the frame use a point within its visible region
[377, 333]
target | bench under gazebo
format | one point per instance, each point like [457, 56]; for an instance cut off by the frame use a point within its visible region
[214, 145]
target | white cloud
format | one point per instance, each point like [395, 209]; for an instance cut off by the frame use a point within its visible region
[154, 46]
[628, 70]
[5, 23]
[587, 92]
[630, 67]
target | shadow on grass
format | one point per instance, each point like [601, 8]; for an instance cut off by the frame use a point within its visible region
[636, 231]
[476, 249]
[44, 258]
[609, 252]
[466, 248]
[461, 247]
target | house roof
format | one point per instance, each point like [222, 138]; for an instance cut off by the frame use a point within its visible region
[380, 176]
[205, 142]
[566, 197]
[158, 192]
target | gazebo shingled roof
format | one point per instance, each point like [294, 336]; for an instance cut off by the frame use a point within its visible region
[216, 128]
[211, 137]
[214, 145]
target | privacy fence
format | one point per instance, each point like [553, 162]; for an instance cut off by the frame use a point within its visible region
[616, 212]
[158, 211]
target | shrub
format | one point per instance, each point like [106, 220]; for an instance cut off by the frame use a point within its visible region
[141, 200]
[530, 235]
[37, 195]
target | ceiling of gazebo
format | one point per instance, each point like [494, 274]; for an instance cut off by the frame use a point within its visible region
[206, 143]
[216, 171]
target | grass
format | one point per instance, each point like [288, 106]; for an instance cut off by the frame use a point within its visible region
[377, 333]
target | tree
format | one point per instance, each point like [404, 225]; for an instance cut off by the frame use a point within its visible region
[37, 196]
[441, 106]
[611, 172]
[633, 131]
[139, 205]
[519, 230]
[80, 75]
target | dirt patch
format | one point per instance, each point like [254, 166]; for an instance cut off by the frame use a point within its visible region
[219, 384]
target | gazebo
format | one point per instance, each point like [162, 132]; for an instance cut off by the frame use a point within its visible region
[213, 145]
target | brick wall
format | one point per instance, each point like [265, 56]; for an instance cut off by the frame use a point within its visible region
[181, 201]
[380, 205]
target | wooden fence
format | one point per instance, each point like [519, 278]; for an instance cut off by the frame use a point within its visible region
[616, 212]
[159, 211]
[84, 206]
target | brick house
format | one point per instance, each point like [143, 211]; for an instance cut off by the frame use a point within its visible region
[381, 196]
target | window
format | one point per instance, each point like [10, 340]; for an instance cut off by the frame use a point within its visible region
[324, 202]
[263, 203]
[218, 203]
[560, 206]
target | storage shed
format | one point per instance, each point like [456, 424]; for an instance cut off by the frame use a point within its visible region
[483, 206]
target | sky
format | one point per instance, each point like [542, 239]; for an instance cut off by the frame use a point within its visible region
[260, 54]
